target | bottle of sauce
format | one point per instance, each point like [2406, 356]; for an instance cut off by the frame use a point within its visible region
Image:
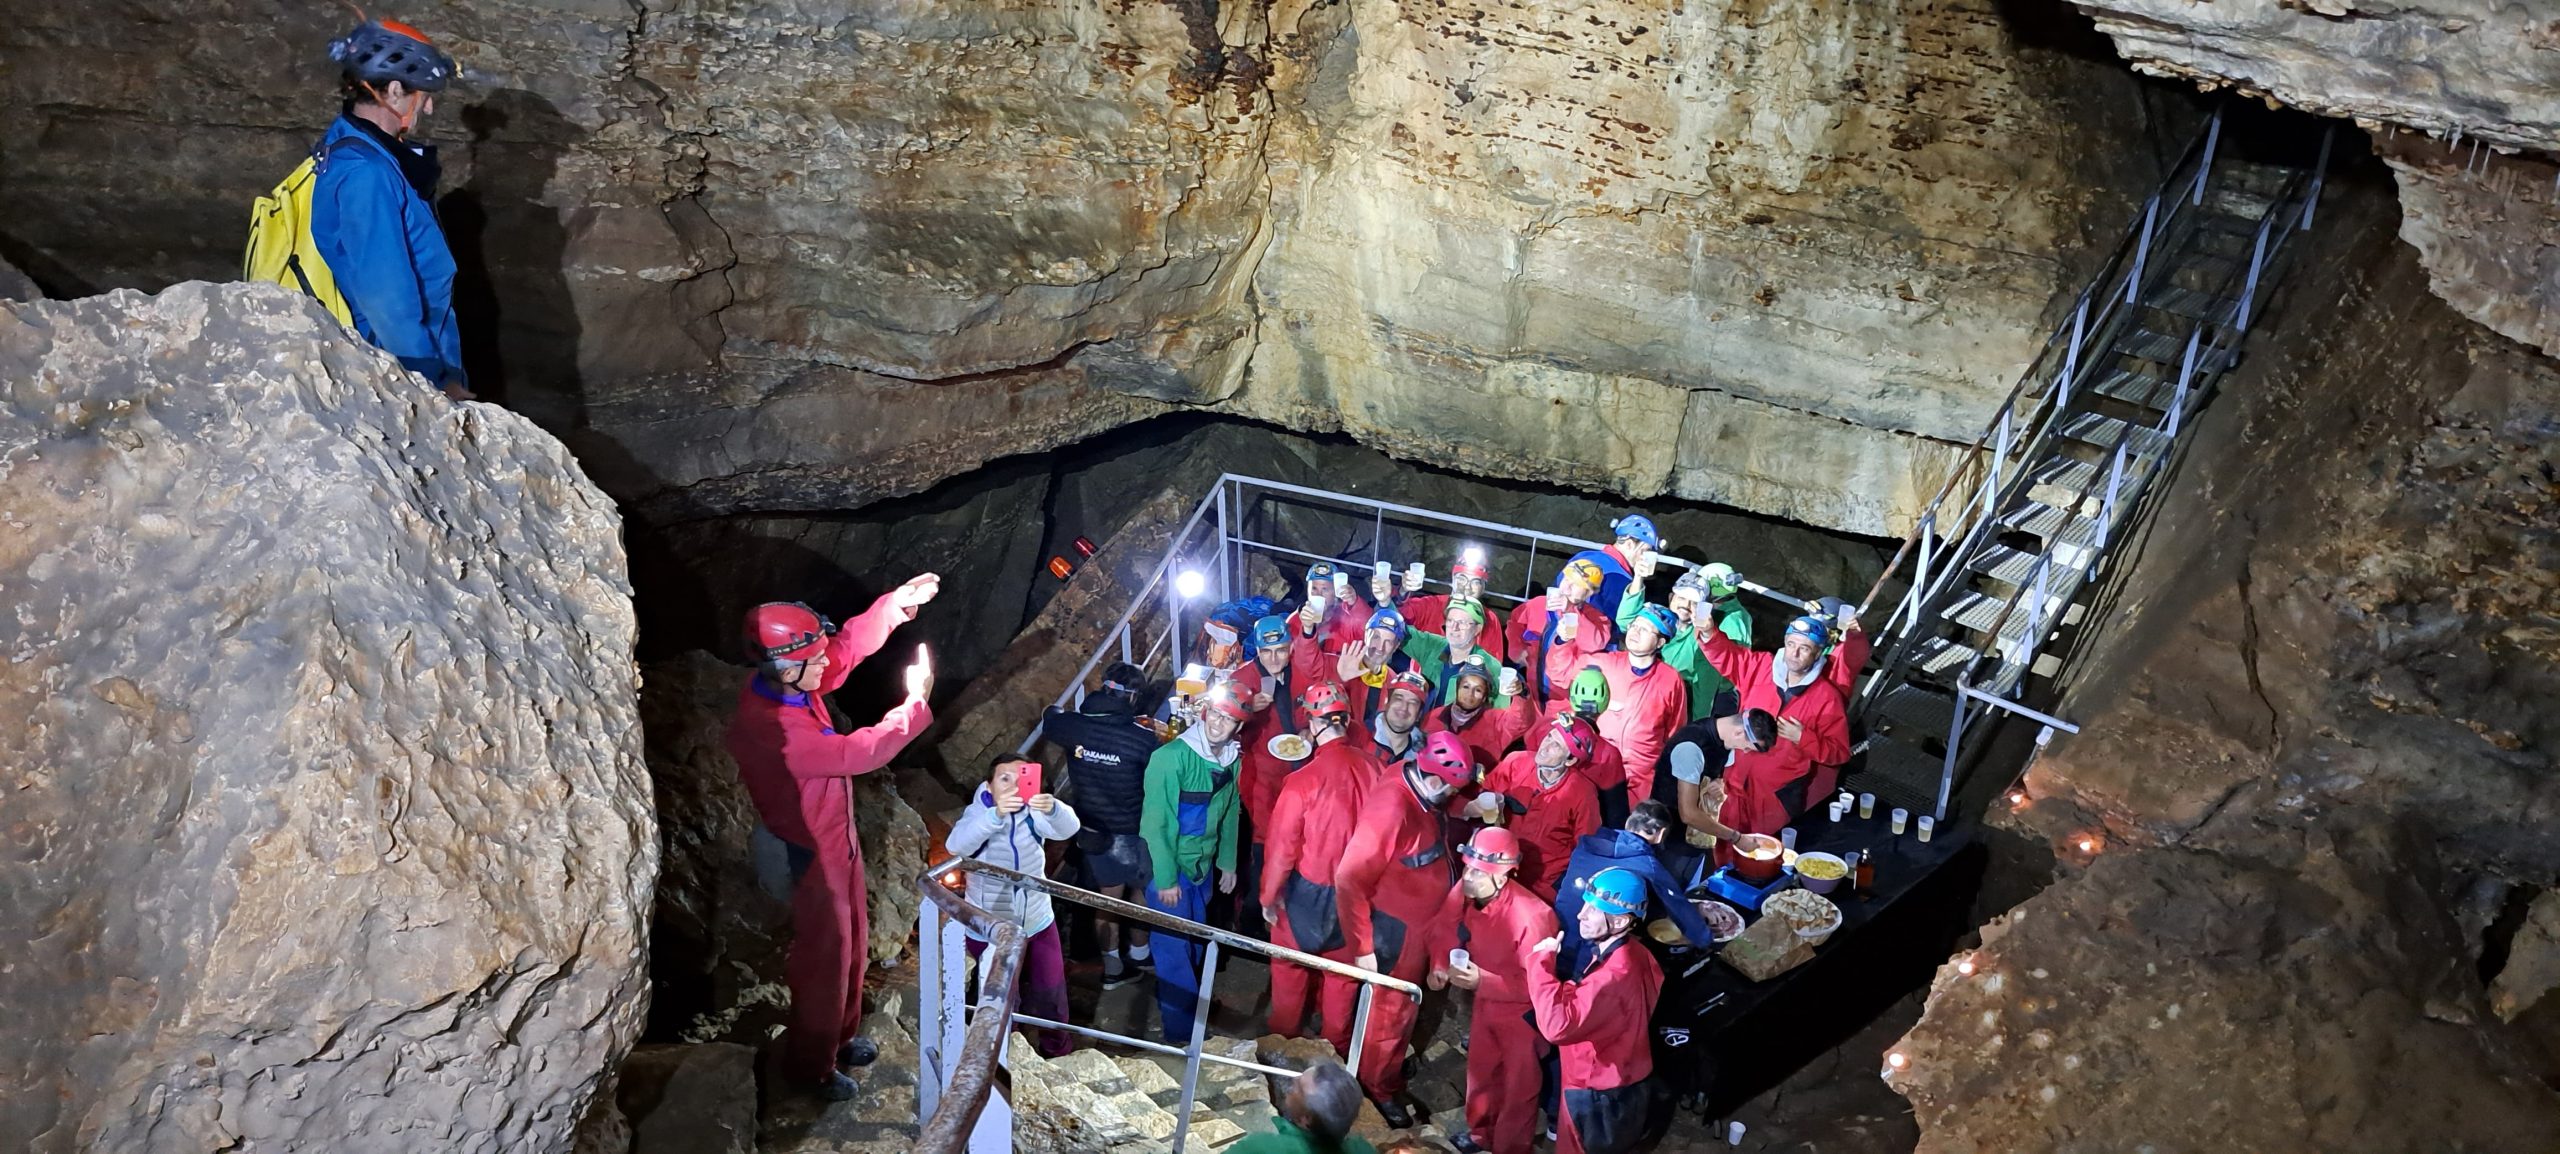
[1866, 874]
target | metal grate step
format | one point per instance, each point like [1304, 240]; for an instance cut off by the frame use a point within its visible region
[1900, 775]
[2016, 567]
[2063, 480]
[2055, 526]
[2105, 432]
[2192, 304]
[2172, 350]
[2136, 387]
[1916, 714]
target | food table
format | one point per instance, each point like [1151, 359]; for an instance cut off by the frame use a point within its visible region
[1720, 1034]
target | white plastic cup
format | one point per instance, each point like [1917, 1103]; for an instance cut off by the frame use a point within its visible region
[1342, 584]
[1414, 576]
[1510, 682]
[1733, 1134]
[1866, 805]
[1846, 799]
[1928, 825]
[1458, 959]
[1787, 837]
[1901, 819]
[1838, 811]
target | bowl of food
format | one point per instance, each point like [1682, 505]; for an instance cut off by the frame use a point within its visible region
[1725, 920]
[1814, 916]
[1758, 857]
[1820, 872]
[1289, 747]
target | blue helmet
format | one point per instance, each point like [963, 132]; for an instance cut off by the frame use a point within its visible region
[1813, 629]
[1616, 891]
[381, 51]
[1270, 631]
[1387, 618]
[1638, 526]
[1661, 620]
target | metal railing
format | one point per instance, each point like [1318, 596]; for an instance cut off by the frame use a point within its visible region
[2120, 494]
[960, 1042]
[1216, 543]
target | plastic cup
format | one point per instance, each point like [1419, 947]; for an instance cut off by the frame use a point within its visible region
[1510, 682]
[1901, 819]
[1457, 959]
[1733, 1134]
[1928, 825]
[1838, 811]
[1414, 575]
[1846, 799]
[1341, 583]
[1866, 805]
[1787, 837]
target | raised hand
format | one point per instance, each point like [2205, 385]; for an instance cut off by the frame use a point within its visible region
[918, 590]
[920, 675]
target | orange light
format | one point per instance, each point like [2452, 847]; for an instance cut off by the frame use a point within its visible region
[1896, 1060]
[1965, 967]
[1060, 569]
[2017, 799]
[2088, 845]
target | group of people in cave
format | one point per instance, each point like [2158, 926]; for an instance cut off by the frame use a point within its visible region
[1472, 802]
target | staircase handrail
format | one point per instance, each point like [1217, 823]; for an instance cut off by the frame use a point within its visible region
[2113, 286]
[2226, 329]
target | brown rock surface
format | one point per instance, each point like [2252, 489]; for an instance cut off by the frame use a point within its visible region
[2488, 231]
[766, 258]
[2291, 985]
[330, 819]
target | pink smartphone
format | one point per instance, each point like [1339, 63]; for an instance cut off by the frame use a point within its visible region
[1026, 782]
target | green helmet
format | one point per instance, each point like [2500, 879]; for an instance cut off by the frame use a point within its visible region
[1590, 691]
[1721, 580]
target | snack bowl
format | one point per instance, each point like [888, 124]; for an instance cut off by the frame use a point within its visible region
[1821, 872]
[1814, 916]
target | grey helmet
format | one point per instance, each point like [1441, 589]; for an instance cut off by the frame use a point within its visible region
[381, 51]
[1693, 583]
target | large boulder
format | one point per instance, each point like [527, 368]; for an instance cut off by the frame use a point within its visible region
[327, 819]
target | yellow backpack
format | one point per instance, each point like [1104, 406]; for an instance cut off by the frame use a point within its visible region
[280, 246]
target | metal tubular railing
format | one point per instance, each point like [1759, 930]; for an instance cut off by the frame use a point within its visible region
[2210, 349]
[951, 1096]
[2103, 310]
[1231, 499]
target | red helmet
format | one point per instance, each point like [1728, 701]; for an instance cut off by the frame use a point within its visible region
[1580, 740]
[1323, 699]
[1224, 700]
[1469, 565]
[1411, 682]
[1494, 848]
[785, 631]
[1445, 757]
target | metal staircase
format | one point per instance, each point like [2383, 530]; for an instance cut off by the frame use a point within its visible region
[2006, 559]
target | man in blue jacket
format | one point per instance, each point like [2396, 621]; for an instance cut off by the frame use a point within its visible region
[372, 212]
[1638, 849]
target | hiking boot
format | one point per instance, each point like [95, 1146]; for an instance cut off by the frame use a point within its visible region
[1466, 1143]
[838, 1087]
[1393, 1111]
[1117, 973]
[858, 1052]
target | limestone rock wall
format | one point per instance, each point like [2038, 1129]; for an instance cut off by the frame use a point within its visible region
[329, 819]
[765, 257]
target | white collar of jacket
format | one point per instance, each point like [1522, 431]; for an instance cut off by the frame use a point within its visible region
[1778, 678]
[1197, 737]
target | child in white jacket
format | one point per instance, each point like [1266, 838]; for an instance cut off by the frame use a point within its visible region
[1003, 828]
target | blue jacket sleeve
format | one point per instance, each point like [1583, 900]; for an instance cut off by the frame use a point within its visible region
[1675, 903]
[360, 206]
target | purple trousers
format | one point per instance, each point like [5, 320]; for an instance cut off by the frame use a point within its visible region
[1041, 991]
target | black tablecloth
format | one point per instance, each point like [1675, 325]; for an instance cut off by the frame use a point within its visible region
[1724, 1035]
